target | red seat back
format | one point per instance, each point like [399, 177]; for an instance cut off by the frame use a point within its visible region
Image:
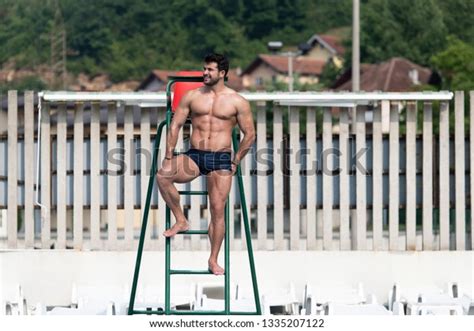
[180, 88]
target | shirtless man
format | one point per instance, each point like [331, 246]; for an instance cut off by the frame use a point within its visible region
[214, 110]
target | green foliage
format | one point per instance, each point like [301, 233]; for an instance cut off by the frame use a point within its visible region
[24, 32]
[128, 38]
[275, 86]
[30, 83]
[457, 17]
[322, 14]
[413, 29]
[456, 64]
[329, 75]
[279, 86]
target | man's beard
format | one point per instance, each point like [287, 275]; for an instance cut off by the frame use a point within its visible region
[211, 82]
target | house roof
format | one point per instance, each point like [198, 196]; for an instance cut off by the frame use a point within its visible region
[394, 75]
[161, 75]
[234, 80]
[279, 63]
[330, 42]
[164, 74]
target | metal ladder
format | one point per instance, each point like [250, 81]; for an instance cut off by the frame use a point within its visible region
[168, 271]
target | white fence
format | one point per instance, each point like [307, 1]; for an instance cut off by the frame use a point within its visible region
[393, 175]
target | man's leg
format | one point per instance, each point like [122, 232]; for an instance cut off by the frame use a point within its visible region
[180, 169]
[218, 184]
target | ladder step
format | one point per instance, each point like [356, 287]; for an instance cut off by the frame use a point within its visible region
[198, 312]
[244, 313]
[194, 232]
[190, 272]
[148, 312]
[191, 312]
[193, 192]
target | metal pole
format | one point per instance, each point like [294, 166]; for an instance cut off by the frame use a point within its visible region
[145, 218]
[355, 56]
[290, 72]
[355, 46]
[168, 213]
[248, 237]
[227, 260]
[168, 265]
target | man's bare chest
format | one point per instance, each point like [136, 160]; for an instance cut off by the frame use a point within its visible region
[213, 107]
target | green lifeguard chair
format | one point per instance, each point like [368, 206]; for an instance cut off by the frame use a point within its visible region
[182, 83]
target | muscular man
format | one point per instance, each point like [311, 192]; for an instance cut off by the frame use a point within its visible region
[214, 110]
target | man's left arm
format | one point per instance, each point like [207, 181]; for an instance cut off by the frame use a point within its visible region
[245, 122]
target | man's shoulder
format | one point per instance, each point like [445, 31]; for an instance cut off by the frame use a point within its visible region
[191, 94]
[235, 95]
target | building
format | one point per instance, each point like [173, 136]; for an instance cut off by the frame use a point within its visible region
[394, 75]
[326, 48]
[156, 81]
[307, 67]
[267, 69]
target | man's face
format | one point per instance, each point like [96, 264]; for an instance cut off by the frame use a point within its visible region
[211, 74]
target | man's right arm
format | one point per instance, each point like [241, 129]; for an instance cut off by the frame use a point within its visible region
[179, 118]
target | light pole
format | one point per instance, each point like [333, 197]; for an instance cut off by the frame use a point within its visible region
[355, 53]
[275, 46]
[355, 46]
[290, 70]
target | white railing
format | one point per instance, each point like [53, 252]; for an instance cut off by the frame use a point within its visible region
[395, 163]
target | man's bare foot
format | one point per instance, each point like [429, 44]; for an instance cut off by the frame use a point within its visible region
[177, 227]
[215, 268]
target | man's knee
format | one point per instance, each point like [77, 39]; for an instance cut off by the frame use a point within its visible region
[218, 220]
[217, 208]
[164, 178]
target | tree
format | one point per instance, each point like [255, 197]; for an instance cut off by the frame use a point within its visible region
[128, 38]
[209, 30]
[24, 32]
[330, 74]
[261, 18]
[456, 65]
[25, 84]
[323, 15]
[413, 29]
[457, 16]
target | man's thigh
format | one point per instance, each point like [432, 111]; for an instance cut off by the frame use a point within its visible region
[181, 169]
[219, 183]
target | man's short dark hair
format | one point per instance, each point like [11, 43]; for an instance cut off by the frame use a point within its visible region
[221, 60]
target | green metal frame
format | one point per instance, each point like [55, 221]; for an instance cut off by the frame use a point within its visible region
[168, 270]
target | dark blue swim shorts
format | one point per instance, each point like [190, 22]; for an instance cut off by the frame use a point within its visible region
[208, 161]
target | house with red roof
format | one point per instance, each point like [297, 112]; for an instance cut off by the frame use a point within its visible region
[274, 68]
[394, 75]
[326, 48]
[307, 67]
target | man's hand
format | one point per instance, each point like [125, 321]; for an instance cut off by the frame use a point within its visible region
[234, 168]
